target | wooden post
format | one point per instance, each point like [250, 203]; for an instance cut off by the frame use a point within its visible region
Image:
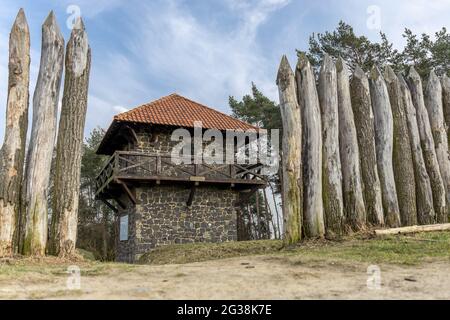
[402, 155]
[291, 160]
[384, 142]
[424, 194]
[445, 81]
[434, 105]
[427, 143]
[12, 153]
[70, 143]
[45, 108]
[312, 149]
[365, 131]
[332, 175]
[354, 208]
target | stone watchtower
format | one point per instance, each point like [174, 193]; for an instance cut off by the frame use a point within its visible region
[158, 201]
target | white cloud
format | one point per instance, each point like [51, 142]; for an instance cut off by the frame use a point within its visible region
[120, 109]
[202, 61]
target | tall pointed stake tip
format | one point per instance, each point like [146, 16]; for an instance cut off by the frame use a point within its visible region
[303, 61]
[327, 60]
[433, 76]
[413, 73]
[375, 73]
[51, 19]
[79, 24]
[389, 73]
[21, 19]
[340, 64]
[358, 72]
[284, 69]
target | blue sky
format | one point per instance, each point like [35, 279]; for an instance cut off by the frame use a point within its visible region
[206, 50]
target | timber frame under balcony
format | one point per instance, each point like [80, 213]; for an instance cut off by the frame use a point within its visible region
[126, 169]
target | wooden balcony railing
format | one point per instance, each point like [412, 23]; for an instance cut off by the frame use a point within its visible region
[142, 167]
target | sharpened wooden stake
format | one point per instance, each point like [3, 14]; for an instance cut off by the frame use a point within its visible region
[354, 208]
[427, 143]
[308, 99]
[445, 82]
[291, 159]
[424, 194]
[384, 142]
[332, 174]
[365, 131]
[63, 234]
[45, 108]
[12, 154]
[402, 154]
[434, 105]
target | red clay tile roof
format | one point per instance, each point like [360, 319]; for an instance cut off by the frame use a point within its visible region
[175, 110]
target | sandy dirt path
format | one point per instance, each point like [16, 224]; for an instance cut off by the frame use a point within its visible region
[258, 277]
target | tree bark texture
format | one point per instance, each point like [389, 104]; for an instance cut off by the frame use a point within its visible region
[424, 194]
[384, 142]
[445, 81]
[434, 105]
[354, 208]
[45, 108]
[427, 143]
[291, 161]
[365, 131]
[308, 100]
[332, 174]
[402, 155]
[70, 143]
[12, 153]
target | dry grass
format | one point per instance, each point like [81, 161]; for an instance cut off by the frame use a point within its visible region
[409, 250]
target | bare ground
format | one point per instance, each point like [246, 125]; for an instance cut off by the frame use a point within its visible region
[253, 277]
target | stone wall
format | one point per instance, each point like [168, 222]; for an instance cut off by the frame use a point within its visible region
[126, 249]
[161, 217]
[155, 139]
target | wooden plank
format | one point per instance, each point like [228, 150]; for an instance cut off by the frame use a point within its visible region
[109, 205]
[128, 191]
[413, 229]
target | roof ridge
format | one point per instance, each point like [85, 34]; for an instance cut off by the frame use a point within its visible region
[178, 96]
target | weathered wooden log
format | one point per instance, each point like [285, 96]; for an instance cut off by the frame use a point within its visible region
[354, 208]
[70, 142]
[291, 159]
[45, 108]
[445, 81]
[413, 229]
[424, 194]
[427, 143]
[308, 100]
[12, 154]
[365, 131]
[434, 105]
[332, 174]
[402, 154]
[384, 141]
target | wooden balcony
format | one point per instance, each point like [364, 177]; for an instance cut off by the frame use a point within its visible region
[128, 168]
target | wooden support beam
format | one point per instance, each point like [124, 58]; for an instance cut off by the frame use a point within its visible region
[191, 195]
[243, 198]
[133, 133]
[413, 229]
[127, 191]
[120, 203]
[109, 205]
